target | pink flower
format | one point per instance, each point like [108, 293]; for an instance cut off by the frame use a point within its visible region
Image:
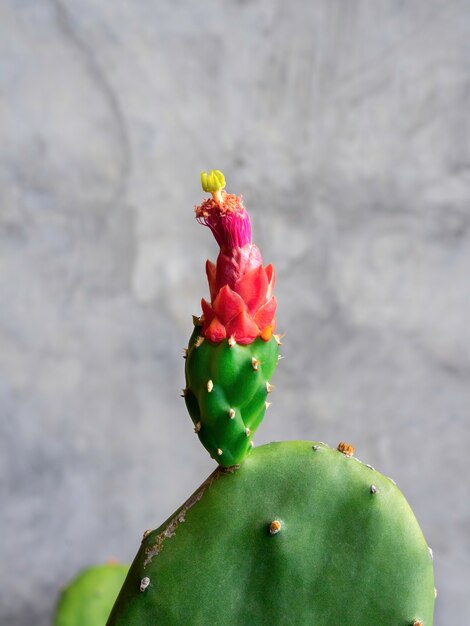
[242, 304]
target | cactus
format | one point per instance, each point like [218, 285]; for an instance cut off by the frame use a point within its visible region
[299, 534]
[226, 393]
[292, 533]
[89, 598]
[233, 350]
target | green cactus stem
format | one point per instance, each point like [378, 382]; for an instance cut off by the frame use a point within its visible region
[227, 387]
[300, 534]
[89, 598]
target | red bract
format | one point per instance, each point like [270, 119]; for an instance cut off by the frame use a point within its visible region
[242, 304]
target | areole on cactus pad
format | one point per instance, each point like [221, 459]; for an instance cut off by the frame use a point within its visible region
[233, 351]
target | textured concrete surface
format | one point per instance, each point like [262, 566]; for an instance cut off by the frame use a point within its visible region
[346, 127]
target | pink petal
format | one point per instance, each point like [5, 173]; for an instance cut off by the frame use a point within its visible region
[227, 305]
[211, 277]
[265, 314]
[215, 332]
[243, 328]
[271, 276]
[207, 311]
[252, 288]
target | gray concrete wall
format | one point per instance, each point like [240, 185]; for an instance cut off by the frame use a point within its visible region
[346, 127]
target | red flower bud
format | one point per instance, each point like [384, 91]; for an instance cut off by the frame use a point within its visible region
[242, 303]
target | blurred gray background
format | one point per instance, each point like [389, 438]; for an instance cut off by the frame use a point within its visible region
[345, 124]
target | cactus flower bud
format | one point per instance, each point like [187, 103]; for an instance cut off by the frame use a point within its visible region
[242, 303]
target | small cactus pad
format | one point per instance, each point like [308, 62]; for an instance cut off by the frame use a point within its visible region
[89, 598]
[296, 536]
[227, 385]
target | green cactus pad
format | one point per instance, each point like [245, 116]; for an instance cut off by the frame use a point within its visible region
[89, 598]
[345, 549]
[226, 393]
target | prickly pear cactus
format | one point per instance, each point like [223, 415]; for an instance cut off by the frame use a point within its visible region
[300, 534]
[294, 533]
[89, 598]
[233, 351]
